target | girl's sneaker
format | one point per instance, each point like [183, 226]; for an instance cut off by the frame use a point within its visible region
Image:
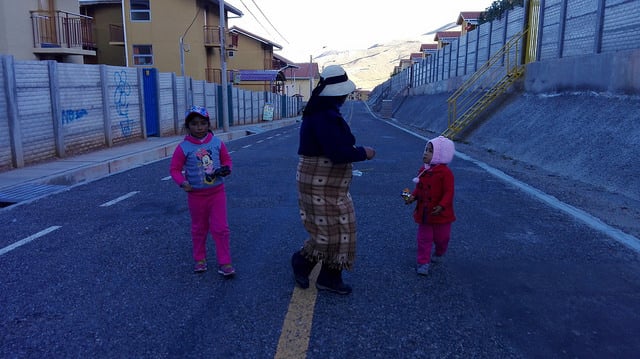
[436, 259]
[422, 269]
[200, 266]
[226, 270]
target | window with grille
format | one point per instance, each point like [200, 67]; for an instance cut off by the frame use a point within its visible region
[140, 10]
[142, 55]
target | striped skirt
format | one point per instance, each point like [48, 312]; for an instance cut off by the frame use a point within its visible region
[327, 211]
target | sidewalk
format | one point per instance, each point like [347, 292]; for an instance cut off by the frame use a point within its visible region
[31, 182]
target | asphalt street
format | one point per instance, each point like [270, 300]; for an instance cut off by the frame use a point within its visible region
[104, 269]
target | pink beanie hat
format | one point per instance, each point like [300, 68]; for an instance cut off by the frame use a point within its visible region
[443, 150]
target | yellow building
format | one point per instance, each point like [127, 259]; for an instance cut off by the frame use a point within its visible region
[180, 36]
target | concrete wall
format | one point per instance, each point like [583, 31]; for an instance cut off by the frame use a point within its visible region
[613, 72]
[591, 37]
[52, 110]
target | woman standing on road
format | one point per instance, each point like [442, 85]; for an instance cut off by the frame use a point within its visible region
[327, 149]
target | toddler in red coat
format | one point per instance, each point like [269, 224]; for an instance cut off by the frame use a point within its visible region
[433, 195]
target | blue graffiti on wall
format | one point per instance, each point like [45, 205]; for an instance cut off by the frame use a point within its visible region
[121, 101]
[69, 116]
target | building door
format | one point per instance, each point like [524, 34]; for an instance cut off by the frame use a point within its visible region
[151, 109]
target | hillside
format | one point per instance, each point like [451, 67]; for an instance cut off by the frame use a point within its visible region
[372, 66]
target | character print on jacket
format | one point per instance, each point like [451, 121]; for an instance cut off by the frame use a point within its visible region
[206, 162]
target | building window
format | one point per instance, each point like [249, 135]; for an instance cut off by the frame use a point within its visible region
[140, 10]
[142, 55]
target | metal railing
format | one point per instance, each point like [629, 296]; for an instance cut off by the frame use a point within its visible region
[212, 38]
[62, 29]
[485, 85]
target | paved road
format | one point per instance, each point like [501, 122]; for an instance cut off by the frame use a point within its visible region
[104, 270]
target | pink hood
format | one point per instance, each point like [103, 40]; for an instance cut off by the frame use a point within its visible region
[443, 150]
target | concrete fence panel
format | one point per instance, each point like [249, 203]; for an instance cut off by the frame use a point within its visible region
[619, 33]
[35, 115]
[167, 106]
[549, 36]
[125, 115]
[80, 107]
[580, 30]
[5, 132]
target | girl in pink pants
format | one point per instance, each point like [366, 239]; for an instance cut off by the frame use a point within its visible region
[205, 161]
[433, 195]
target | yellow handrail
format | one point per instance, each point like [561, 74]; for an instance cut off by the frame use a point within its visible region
[494, 76]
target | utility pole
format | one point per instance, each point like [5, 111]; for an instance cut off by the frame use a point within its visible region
[223, 69]
[186, 92]
[310, 76]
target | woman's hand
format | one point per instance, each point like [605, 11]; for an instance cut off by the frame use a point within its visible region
[371, 153]
[436, 210]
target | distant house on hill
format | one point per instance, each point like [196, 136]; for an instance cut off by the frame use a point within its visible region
[468, 21]
[444, 38]
[301, 79]
[428, 49]
[416, 56]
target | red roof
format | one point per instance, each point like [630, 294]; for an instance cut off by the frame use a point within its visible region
[442, 35]
[424, 47]
[303, 71]
[469, 16]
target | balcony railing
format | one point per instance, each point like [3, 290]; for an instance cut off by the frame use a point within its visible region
[212, 38]
[61, 29]
[214, 75]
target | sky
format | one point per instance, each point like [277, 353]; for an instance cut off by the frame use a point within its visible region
[307, 28]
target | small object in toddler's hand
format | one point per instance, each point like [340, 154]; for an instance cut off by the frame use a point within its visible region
[406, 194]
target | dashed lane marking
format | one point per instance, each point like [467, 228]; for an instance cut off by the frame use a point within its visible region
[121, 198]
[28, 239]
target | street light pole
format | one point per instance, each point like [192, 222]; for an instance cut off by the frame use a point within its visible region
[223, 69]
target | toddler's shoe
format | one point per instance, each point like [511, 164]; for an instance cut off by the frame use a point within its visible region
[437, 259]
[200, 266]
[422, 269]
[226, 270]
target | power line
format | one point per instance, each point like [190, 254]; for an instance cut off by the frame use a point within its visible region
[254, 17]
[266, 18]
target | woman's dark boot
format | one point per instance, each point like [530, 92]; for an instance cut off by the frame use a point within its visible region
[302, 267]
[331, 280]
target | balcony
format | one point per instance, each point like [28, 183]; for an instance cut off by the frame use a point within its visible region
[62, 32]
[212, 38]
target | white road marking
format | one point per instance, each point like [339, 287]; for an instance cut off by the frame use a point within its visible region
[591, 221]
[166, 178]
[121, 198]
[28, 239]
[246, 146]
[626, 239]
